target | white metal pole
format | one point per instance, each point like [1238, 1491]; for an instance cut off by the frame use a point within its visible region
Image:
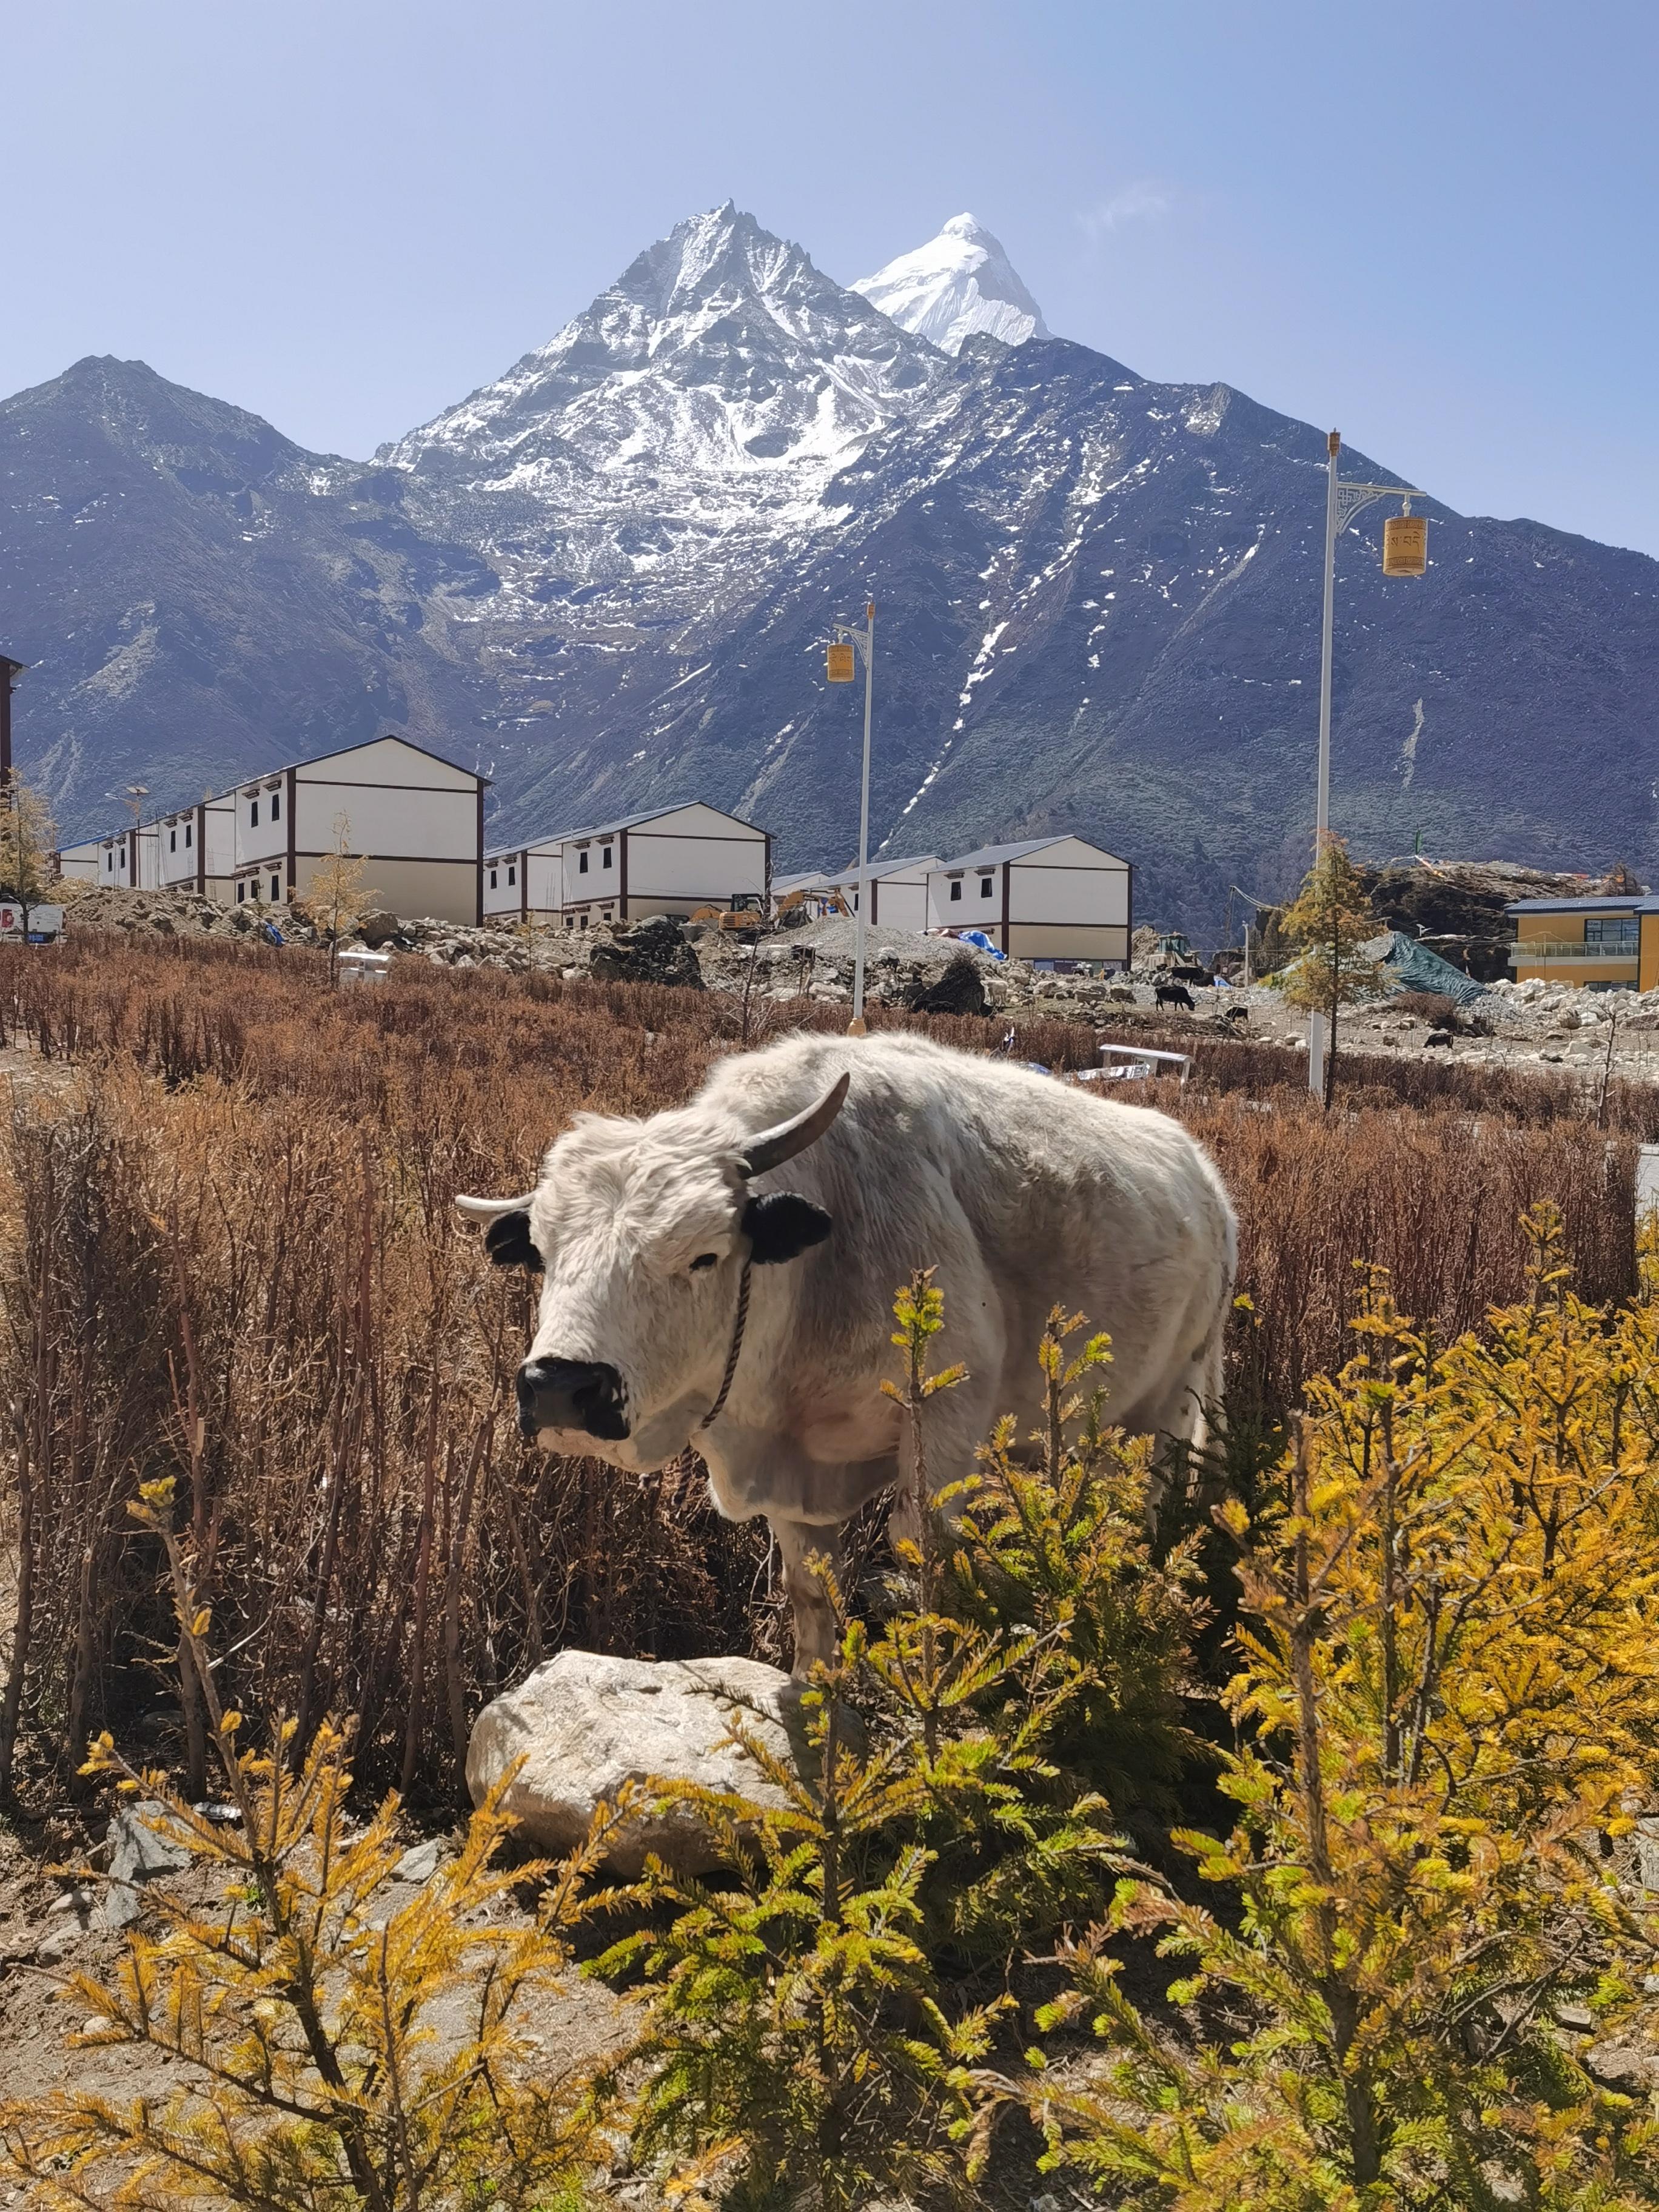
[1317, 1039]
[855, 1027]
[1322, 817]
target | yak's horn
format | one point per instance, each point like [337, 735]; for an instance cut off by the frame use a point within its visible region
[491, 1209]
[772, 1147]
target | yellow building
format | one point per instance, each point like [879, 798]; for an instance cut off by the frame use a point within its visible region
[1603, 943]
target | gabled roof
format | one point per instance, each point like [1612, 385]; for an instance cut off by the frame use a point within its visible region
[993, 855]
[627, 822]
[653, 814]
[880, 868]
[1639, 902]
[539, 846]
[358, 745]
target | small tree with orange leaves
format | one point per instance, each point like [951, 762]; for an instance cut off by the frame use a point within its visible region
[1330, 921]
[338, 897]
[342, 2043]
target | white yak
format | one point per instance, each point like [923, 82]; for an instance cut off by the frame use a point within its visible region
[694, 1291]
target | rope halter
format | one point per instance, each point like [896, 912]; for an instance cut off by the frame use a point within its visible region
[732, 1357]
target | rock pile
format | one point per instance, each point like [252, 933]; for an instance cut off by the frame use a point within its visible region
[654, 950]
[186, 913]
[1457, 908]
[161, 914]
[1560, 1025]
[959, 990]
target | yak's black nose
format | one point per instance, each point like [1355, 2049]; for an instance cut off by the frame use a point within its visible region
[571, 1394]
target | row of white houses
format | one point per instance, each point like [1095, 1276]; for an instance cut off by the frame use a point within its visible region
[1046, 898]
[673, 861]
[417, 820]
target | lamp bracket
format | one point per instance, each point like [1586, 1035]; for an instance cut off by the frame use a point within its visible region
[1353, 499]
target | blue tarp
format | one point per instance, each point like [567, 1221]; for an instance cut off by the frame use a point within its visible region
[978, 937]
[1412, 967]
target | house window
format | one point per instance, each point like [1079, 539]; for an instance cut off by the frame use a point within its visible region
[581, 864]
[584, 921]
[955, 887]
[1619, 932]
[172, 840]
[492, 879]
[605, 916]
[276, 806]
[276, 891]
[604, 862]
[241, 893]
[253, 815]
[512, 873]
[189, 826]
[985, 884]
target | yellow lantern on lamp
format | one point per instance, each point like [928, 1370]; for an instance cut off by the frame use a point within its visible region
[838, 664]
[1405, 545]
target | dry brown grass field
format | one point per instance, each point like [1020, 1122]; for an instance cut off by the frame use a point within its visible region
[228, 1254]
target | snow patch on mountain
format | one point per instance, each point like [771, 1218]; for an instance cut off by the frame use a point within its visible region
[958, 284]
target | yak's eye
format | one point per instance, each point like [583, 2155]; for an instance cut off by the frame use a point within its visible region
[705, 1259]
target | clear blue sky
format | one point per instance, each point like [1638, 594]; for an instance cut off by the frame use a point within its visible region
[1432, 223]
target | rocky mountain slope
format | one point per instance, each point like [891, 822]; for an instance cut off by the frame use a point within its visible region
[199, 597]
[604, 580]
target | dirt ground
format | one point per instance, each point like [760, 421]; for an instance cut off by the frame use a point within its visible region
[50, 1930]
[38, 2013]
[1508, 1025]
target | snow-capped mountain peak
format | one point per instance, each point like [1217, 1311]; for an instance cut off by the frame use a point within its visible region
[729, 329]
[957, 284]
[702, 403]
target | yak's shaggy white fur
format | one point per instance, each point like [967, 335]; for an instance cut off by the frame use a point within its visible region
[1022, 1193]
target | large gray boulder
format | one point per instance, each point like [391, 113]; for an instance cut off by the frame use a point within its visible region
[379, 928]
[586, 1724]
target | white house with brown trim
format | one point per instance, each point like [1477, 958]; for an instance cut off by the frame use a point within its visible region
[1049, 898]
[108, 861]
[672, 861]
[525, 882]
[898, 891]
[414, 818]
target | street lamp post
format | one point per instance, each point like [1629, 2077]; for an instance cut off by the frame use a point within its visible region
[1343, 501]
[862, 643]
[134, 795]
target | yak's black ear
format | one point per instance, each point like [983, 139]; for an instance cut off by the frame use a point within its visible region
[783, 1226]
[508, 1243]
